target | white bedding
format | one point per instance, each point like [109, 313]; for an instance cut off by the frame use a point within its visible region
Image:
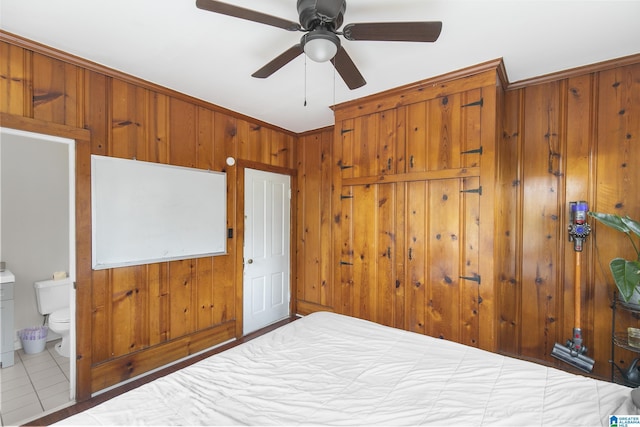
[329, 369]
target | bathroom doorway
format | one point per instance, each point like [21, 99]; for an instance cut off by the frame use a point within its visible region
[37, 217]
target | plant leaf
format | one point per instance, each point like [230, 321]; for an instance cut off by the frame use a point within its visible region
[612, 220]
[631, 225]
[618, 271]
[626, 274]
[632, 273]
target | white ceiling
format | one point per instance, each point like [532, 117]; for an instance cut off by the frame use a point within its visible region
[211, 56]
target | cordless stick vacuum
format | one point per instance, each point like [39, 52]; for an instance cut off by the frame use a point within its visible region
[573, 352]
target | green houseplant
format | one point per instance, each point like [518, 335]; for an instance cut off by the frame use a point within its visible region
[626, 273]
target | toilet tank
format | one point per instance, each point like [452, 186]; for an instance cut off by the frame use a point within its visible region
[52, 295]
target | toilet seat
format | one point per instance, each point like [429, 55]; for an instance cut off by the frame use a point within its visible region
[60, 316]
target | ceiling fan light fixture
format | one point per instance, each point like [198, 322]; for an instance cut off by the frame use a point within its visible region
[320, 45]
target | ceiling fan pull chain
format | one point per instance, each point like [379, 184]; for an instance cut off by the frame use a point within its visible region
[305, 80]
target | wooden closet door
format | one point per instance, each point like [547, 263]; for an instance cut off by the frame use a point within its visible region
[370, 276]
[410, 256]
[442, 258]
[369, 145]
[444, 133]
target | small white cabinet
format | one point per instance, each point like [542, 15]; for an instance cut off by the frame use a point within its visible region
[6, 318]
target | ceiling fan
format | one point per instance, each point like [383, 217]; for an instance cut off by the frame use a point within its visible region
[320, 21]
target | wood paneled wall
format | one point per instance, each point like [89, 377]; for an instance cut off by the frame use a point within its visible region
[578, 139]
[401, 184]
[561, 138]
[314, 290]
[557, 139]
[133, 319]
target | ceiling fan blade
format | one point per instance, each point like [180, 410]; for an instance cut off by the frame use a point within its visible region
[347, 69]
[248, 14]
[278, 62]
[394, 31]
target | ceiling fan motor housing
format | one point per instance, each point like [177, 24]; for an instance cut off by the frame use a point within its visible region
[327, 14]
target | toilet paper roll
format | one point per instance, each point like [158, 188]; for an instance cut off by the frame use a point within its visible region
[59, 275]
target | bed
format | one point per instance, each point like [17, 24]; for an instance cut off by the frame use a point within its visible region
[330, 369]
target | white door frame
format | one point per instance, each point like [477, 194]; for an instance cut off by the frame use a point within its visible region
[71, 149]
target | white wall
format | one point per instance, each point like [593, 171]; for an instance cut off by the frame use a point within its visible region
[34, 217]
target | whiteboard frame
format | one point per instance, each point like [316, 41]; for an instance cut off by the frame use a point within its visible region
[100, 261]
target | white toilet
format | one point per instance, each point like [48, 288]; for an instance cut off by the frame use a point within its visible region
[53, 299]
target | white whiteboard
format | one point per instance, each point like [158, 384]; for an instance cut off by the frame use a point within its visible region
[146, 212]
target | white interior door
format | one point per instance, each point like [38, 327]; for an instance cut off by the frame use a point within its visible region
[266, 284]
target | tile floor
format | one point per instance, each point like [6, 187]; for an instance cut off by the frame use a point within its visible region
[35, 385]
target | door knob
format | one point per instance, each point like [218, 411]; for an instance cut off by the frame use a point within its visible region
[250, 261]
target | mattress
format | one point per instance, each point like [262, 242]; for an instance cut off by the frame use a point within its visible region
[330, 369]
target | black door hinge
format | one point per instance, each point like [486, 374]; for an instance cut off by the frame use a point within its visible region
[343, 131]
[474, 151]
[473, 104]
[342, 197]
[474, 278]
[345, 263]
[473, 190]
